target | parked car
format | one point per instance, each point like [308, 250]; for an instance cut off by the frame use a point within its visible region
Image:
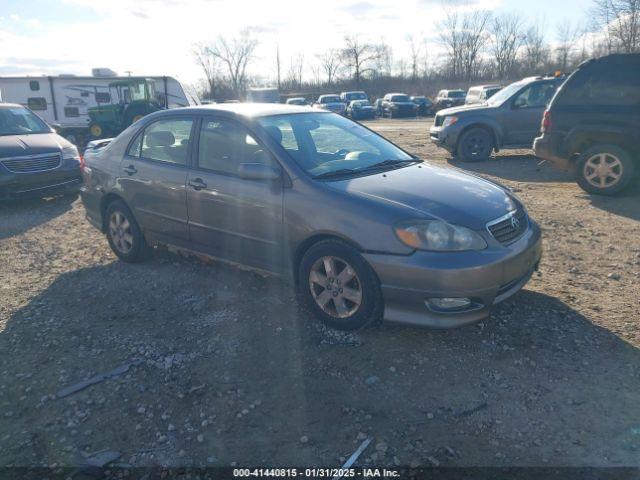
[377, 106]
[509, 119]
[481, 93]
[348, 97]
[297, 101]
[360, 110]
[398, 105]
[591, 126]
[364, 229]
[449, 98]
[424, 105]
[34, 159]
[331, 103]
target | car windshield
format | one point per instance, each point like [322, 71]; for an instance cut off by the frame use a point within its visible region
[456, 94]
[400, 98]
[357, 96]
[506, 93]
[330, 99]
[327, 145]
[20, 121]
[360, 103]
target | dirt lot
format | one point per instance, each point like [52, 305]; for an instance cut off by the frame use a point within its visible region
[233, 371]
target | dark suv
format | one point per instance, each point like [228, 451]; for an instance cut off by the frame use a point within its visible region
[591, 126]
[509, 119]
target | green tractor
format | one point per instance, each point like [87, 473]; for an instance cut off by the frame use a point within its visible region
[129, 101]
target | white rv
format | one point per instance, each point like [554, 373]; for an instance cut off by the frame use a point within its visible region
[81, 107]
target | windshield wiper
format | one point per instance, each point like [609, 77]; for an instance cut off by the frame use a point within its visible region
[389, 163]
[337, 173]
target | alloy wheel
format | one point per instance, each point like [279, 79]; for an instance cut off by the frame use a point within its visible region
[120, 231]
[335, 287]
[603, 170]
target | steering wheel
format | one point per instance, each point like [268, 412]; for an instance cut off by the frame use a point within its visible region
[342, 152]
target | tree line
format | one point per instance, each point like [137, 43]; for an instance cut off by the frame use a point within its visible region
[473, 46]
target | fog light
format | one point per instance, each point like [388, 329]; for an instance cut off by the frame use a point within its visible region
[459, 303]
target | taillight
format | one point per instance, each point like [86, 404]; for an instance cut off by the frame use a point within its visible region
[547, 124]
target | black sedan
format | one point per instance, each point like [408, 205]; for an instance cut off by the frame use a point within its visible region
[360, 110]
[34, 160]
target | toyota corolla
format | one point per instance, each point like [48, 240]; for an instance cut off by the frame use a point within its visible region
[362, 228]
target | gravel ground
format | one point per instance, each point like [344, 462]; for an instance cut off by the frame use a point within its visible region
[225, 369]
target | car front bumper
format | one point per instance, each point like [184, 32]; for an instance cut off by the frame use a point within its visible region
[486, 277]
[62, 180]
[445, 137]
[546, 147]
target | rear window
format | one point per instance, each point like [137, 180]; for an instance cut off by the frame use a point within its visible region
[400, 98]
[602, 84]
[456, 94]
[330, 99]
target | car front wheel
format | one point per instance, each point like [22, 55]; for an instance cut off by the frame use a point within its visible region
[475, 145]
[604, 169]
[124, 235]
[339, 286]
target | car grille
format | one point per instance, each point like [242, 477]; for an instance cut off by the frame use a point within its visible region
[509, 228]
[34, 163]
[438, 121]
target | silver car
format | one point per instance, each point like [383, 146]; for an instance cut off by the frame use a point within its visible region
[363, 229]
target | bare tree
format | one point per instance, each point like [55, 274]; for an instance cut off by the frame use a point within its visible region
[278, 65]
[620, 21]
[295, 70]
[535, 50]
[235, 54]
[506, 40]
[330, 63]
[464, 35]
[414, 56]
[567, 36]
[383, 61]
[209, 65]
[358, 56]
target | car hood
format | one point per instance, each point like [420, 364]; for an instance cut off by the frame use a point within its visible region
[34, 144]
[425, 190]
[404, 103]
[473, 108]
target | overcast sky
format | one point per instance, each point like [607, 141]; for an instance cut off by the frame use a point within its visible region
[149, 37]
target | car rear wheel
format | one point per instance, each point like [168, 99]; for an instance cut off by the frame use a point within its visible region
[339, 286]
[124, 235]
[475, 145]
[604, 169]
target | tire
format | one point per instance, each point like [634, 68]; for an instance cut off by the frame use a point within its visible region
[133, 249]
[96, 130]
[615, 177]
[343, 311]
[475, 145]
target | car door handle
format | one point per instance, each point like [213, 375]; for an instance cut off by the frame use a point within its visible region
[130, 169]
[197, 184]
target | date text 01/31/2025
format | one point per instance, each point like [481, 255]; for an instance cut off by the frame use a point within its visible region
[315, 473]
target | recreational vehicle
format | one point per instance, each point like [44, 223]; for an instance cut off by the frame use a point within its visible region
[83, 108]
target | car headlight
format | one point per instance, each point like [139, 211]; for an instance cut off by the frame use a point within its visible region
[438, 236]
[70, 153]
[448, 121]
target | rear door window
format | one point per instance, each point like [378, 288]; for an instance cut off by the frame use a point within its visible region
[167, 141]
[603, 85]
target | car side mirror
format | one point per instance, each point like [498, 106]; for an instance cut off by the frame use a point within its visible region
[258, 171]
[56, 127]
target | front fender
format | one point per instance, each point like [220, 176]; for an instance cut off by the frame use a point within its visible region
[484, 121]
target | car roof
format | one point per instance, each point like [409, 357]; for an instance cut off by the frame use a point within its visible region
[397, 93]
[11, 105]
[246, 109]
